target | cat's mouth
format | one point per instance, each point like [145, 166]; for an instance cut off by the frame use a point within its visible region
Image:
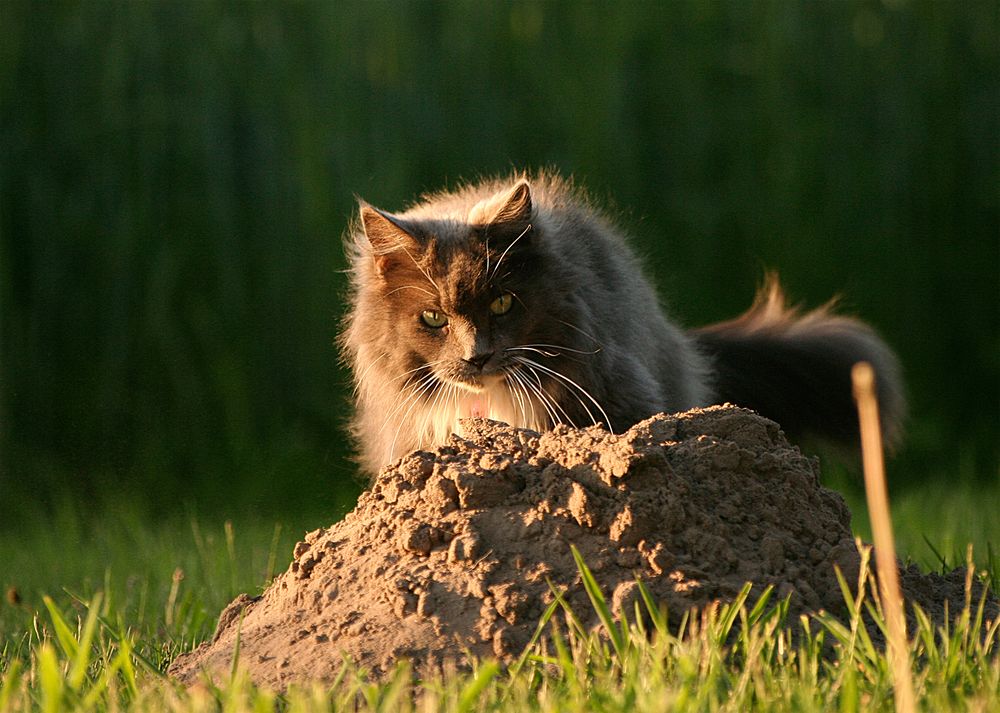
[468, 383]
[476, 384]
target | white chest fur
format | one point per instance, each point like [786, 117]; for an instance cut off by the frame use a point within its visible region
[432, 420]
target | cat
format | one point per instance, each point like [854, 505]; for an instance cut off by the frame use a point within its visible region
[515, 299]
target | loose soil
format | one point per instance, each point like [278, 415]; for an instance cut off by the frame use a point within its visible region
[450, 554]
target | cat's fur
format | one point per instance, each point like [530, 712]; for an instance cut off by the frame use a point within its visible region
[585, 339]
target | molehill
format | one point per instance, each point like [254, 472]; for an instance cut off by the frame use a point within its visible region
[450, 553]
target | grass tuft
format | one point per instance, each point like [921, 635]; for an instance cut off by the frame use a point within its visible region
[106, 648]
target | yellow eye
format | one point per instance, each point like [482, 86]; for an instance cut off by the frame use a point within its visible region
[502, 304]
[433, 318]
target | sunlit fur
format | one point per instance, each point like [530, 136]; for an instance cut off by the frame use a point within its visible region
[585, 341]
[570, 349]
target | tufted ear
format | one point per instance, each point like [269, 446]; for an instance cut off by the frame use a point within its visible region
[511, 207]
[390, 237]
[515, 210]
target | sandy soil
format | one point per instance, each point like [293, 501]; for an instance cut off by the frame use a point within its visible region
[450, 552]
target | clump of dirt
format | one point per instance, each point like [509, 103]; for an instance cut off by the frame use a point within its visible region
[451, 552]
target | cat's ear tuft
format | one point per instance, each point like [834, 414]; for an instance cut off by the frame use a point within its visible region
[516, 208]
[508, 208]
[387, 234]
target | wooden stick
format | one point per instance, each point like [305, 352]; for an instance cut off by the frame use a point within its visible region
[863, 377]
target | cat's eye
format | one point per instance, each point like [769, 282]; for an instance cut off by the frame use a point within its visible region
[502, 304]
[433, 318]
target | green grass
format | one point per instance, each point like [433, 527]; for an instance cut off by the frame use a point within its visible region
[173, 181]
[935, 522]
[108, 599]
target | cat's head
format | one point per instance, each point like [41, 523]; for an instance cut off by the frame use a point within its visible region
[452, 296]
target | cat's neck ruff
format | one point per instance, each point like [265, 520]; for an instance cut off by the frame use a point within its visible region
[435, 419]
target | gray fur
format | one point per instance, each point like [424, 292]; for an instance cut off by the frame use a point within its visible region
[613, 355]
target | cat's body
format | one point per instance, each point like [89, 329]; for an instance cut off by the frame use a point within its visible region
[518, 301]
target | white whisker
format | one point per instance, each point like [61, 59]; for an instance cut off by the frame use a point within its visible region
[514, 294]
[523, 398]
[512, 244]
[422, 270]
[561, 347]
[588, 336]
[425, 365]
[565, 379]
[515, 394]
[519, 381]
[392, 447]
[364, 373]
[553, 399]
[526, 385]
[409, 287]
[428, 411]
[416, 389]
[533, 349]
[538, 383]
[550, 403]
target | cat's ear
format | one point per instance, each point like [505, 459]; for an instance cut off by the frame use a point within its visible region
[384, 231]
[515, 210]
[508, 210]
[388, 235]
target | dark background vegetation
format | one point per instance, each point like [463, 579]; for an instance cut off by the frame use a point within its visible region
[175, 179]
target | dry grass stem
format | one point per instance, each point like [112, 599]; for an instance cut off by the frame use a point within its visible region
[863, 377]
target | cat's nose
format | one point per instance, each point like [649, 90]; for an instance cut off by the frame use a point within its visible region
[479, 360]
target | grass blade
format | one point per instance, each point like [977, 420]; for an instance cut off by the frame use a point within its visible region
[542, 624]
[11, 678]
[50, 678]
[64, 634]
[657, 614]
[236, 647]
[729, 613]
[940, 558]
[475, 687]
[82, 659]
[600, 604]
[758, 609]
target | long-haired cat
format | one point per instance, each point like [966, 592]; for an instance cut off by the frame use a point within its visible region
[518, 301]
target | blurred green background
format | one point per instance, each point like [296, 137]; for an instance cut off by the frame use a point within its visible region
[175, 179]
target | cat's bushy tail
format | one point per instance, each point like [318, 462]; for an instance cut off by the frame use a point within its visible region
[795, 368]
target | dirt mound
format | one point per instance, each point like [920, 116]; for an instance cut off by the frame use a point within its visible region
[449, 554]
